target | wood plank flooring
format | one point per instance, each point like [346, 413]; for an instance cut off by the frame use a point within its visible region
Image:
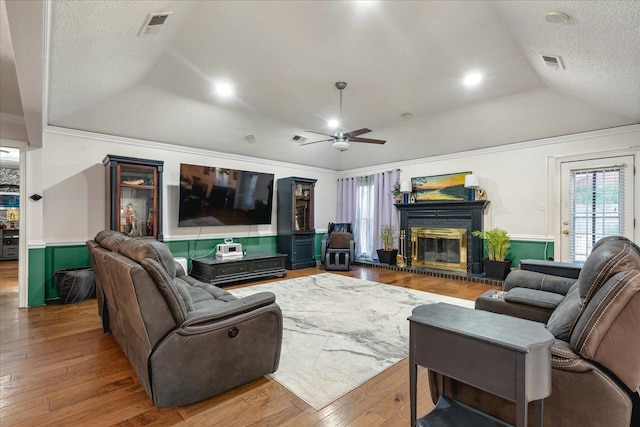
[57, 368]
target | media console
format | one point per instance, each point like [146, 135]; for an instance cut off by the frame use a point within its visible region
[218, 271]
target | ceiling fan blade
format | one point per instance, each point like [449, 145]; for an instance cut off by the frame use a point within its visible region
[368, 140]
[357, 132]
[313, 142]
[320, 133]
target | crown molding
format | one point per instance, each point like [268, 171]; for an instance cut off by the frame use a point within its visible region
[180, 149]
[499, 149]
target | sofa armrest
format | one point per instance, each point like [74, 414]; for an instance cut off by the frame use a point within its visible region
[553, 268]
[231, 308]
[564, 358]
[538, 281]
[533, 297]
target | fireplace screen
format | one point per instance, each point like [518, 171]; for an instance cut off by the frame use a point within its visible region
[443, 248]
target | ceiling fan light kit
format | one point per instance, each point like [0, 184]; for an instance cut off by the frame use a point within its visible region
[341, 140]
[341, 145]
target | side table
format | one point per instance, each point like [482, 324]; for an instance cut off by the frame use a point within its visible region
[503, 355]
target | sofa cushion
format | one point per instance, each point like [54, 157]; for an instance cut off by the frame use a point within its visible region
[177, 299]
[606, 260]
[139, 250]
[607, 330]
[539, 281]
[110, 239]
[564, 317]
[534, 297]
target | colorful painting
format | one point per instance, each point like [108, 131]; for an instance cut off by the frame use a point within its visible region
[440, 187]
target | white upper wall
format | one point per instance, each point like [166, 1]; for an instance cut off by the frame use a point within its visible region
[74, 187]
[517, 178]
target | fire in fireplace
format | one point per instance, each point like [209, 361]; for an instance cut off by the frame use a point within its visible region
[442, 248]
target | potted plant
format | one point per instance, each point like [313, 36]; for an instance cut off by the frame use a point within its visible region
[388, 253]
[497, 265]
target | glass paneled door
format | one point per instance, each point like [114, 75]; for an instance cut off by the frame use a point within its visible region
[597, 200]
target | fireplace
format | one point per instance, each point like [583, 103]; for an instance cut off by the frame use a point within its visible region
[453, 247]
[440, 248]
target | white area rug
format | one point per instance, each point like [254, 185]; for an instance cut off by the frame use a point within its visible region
[339, 332]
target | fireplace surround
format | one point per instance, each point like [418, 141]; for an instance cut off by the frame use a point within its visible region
[462, 216]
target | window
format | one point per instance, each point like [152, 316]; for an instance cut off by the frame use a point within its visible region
[597, 207]
[364, 214]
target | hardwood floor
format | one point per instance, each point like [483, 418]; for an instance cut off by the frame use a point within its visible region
[58, 368]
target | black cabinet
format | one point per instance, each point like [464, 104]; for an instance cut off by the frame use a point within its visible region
[296, 230]
[9, 244]
[134, 196]
[219, 271]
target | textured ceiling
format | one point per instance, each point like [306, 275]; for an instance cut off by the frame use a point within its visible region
[283, 57]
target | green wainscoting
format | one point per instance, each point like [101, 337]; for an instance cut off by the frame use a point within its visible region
[37, 277]
[521, 249]
[528, 249]
[198, 248]
[58, 258]
[44, 262]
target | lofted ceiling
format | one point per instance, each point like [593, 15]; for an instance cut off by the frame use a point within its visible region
[283, 58]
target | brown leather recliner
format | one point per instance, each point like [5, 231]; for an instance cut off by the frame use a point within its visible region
[596, 357]
[185, 339]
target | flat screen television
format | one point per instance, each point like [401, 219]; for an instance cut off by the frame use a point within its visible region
[211, 196]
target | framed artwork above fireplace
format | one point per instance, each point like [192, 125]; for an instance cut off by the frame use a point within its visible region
[447, 187]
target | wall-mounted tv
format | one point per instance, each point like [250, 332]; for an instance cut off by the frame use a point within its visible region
[212, 196]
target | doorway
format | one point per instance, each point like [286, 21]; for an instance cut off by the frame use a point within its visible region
[12, 260]
[597, 199]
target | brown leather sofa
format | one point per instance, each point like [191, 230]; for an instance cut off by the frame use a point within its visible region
[596, 356]
[185, 339]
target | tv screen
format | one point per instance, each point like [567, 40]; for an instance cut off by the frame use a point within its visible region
[212, 196]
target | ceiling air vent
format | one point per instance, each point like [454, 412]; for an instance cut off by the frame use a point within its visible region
[552, 61]
[298, 138]
[153, 23]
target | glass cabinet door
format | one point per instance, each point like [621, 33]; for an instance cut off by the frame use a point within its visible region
[303, 212]
[138, 208]
[135, 196]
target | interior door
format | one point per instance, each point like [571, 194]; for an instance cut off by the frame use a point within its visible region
[597, 200]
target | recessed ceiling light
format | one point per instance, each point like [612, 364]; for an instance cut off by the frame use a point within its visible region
[556, 17]
[472, 79]
[224, 90]
[333, 123]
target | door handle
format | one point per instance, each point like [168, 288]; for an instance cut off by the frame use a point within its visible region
[565, 232]
[565, 222]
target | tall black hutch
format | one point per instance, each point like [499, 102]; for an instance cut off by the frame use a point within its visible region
[134, 196]
[296, 232]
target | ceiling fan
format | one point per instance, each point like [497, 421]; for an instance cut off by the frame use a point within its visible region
[342, 139]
